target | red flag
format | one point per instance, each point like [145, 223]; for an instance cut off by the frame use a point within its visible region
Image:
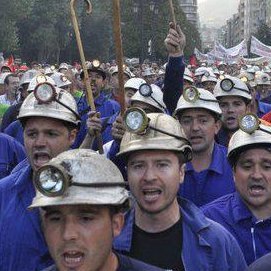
[11, 63]
[193, 61]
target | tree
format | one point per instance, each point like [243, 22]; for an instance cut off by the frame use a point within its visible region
[264, 34]
[11, 12]
[142, 24]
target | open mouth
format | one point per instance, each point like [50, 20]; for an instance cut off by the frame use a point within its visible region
[256, 190]
[41, 158]
[73, 259]
[230, 119]
[151, 195]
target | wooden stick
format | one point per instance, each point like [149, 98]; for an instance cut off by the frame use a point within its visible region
[89, 94]
[172, 12]
[119, 51]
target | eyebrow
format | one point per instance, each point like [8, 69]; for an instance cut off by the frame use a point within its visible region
[81, 210]
[198, 116]
[155, 160]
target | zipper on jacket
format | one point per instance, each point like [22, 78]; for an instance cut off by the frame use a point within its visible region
[253, 242]
[252, 230]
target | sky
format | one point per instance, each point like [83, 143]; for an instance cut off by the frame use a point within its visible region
[216, 12]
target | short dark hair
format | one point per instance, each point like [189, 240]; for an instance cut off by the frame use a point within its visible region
[122, 208]
[216, 116]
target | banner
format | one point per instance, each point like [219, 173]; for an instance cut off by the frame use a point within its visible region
[255, 61]
[220, 53]
[260, 49]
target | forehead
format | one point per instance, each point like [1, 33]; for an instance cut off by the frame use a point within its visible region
[151, 155]
[196, 112]
[73, 209]
[255, 154]
[41, 122]
[231, 99]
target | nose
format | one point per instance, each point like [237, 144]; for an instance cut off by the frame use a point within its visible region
[256, 173]
[70, 231]
[40, 140]
[230, 108]
[195, 125]
[149, 174]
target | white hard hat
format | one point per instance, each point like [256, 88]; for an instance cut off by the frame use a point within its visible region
[155, 98]
[49, 70]
[208, 77]
[79, 176]
[39, 78]
[63, 66]
[174, 139]
[63, 107]
[28, 76]
[134, 83]
[60, 79]
[251, 134]
[262, 78]
[126, 70]
[231, 86]
[246, 76]
[197, 98]
[201, 71]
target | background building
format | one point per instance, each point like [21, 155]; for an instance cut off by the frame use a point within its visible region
[190, 8]
[246, 22]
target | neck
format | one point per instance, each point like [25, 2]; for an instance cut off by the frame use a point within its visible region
[202, 160]
[262, 213]
[111, 264]
[157, 222]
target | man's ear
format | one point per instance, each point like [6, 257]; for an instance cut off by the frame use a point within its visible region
[218, 125]
[182, 172]
[117, 223]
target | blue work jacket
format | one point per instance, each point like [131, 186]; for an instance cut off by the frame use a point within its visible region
[173, 83]
[22, 245]
[207, 246]
[15, 130]
[253, 236]
[106, 108]
[11, 153]
[209, 184]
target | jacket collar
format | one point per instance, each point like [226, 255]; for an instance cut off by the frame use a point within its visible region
[192, 216]
[217, 162]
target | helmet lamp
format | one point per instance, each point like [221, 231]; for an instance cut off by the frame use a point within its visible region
[191, 94]
[41, 79]
[96, 63]
[249, 123]
[45, 92]
[135, 120]
[145, 90]
[226, 84]
[51, 180]
[244, 79]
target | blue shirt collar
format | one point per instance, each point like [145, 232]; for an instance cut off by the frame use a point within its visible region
[240, 210]
[216, 163]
